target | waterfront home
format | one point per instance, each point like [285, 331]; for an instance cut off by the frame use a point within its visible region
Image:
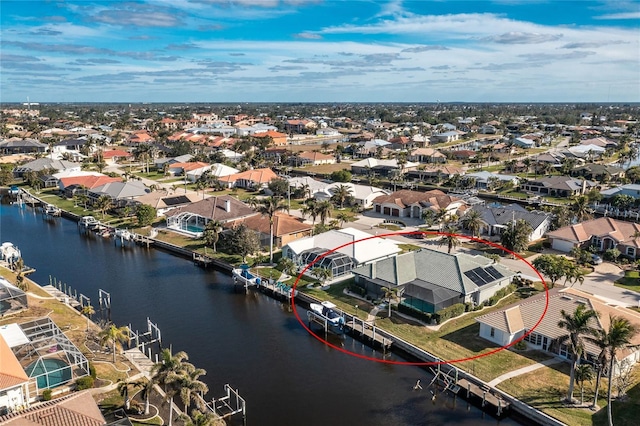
[412, 204]
[363, 195]
[603, 234]
[523, 143]
[286, 228]
[599, 172]
[381, 167]
[193, 218]
[255, 179]
[163, 202]
[191, 171]
[444, 137]
[88, 180]
[558, 186]
[435, 172]
[630, 189]
[45, 164]
[427, 155]
[114, 156]
[313, 158]
[12, 299]
[14, 382]
[495, 219]
[159, 163]
[22, 146]
[505, 326]
[78, 408]
[121, 193]
[489, 180]
[587, 152]
[352, 248]
[430, 280]
[277, 138]
[300, 126]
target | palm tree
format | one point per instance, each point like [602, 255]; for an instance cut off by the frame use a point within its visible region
[165, 372]
[88, 311]
[189, 385]
[390, 294]
[344, 217]
[211, 233]
[577, 326]
[288, 266]
[472, 220]
[341, 193]
[322, 274]
[310, 209]
[114, 336]
[198, 418]
[580, 207]
[584, 373]
[123, 388]
[323, 209]
[145, 386]
[450, 238]
[269, 207]
[103, 203]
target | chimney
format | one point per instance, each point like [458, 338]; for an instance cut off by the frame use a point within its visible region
[227, 206]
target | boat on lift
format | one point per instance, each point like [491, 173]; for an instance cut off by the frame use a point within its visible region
[328, 311]
[243, 276]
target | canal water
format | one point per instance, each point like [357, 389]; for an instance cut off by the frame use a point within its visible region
[250, 341]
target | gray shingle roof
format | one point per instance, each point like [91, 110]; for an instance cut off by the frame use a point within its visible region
[506, 214]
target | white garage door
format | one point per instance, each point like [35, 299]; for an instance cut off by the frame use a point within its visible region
[562, 245]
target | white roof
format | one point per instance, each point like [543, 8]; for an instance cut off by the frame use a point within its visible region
[484, 175]
[13, 335]
[75, 173]
[220, 170]
[583, 149]
[314, 184]
[359, 192]
[373, 162]
[361, 251]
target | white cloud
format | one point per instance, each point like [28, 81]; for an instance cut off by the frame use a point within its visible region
[619, 16]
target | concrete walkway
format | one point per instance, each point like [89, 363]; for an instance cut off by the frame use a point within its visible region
[523, 370]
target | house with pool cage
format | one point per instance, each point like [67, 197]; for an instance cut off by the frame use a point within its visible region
[349, 248]
[192, 218]
[12, 299]
[45, 354]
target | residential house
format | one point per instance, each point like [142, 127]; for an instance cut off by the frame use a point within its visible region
[286, 228]
[328, 131]
[601, 142]
[489, 181]
[537, 318]
[630, 189]
[464, 154]
[255, 179]
[586, 152]
[407, 203]
[139, 137]
[444, 137]
[163, 201]
[114, 156]
[159, 163]
[487, 129]
[121, 193]
[191, 171]
[352, 248]
[495, 219]
[430, 280]
[22, 146]
[42, 164]
[427, 155]
[380, 167]
[524, 143]
[68, 146]
[193, 218]
[599, 172]
[313, 158]
[277, 138]
[402, 143]
[558, 186]
[219, 170]
[363, 195]
[603, 234]
[14, 382]
[300, 126]
[435, 172]
[74, 409]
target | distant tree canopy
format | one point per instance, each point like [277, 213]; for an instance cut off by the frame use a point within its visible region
[279, 187]
[145, 214]
[341, 176]
[240, 240]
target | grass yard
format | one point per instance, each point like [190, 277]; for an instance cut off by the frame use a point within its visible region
[630, 281]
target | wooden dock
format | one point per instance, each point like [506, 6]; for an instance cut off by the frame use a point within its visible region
[484, 394]
[368, 331]
[61, 296]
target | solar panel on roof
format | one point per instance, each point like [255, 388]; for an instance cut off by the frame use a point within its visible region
[475, 278]
[172, 201]
[484, 275]
[494, 272]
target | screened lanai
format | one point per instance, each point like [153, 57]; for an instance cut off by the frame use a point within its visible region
[187, 222]
[338, 263]
[12, 299]
[46, 354]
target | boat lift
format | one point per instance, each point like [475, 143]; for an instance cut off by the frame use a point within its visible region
[104, 299]
[229, 405]
[152, 335]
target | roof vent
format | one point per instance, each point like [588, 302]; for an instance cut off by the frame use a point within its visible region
[566, 297]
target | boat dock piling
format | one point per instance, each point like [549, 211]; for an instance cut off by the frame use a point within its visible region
[229, 405]
[485, 394]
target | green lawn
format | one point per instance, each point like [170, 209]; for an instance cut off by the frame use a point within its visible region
[630, 281]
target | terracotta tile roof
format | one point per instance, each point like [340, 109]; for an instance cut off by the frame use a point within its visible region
[89, 182]
[116, 153]
[189, 166]
[620, 231]
[403, 198]
[271, 133]
[256, 175]
[11, 372]
[283, 224]
[76, 409]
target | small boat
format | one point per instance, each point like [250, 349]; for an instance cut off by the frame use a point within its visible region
[327, 311]
[123, 234]
[243, 276]
[89, 222]
[14, 190]
[51, 210]
[9, 253]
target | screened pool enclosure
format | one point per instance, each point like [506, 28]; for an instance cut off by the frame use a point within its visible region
[187, 222]
[338, 263]
[12, 299]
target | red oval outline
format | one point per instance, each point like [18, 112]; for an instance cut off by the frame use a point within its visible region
[455, 361]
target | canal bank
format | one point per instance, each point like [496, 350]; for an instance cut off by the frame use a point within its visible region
[248, 340]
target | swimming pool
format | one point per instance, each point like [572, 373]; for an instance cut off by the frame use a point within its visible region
[49, 372]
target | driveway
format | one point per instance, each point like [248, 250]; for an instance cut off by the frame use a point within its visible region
[600, 282]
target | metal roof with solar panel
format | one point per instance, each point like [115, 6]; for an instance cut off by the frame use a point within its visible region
[481, 277]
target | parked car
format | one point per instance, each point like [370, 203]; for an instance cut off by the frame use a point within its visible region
[595, 259]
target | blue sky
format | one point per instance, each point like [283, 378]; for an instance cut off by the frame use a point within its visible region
[320, 51]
